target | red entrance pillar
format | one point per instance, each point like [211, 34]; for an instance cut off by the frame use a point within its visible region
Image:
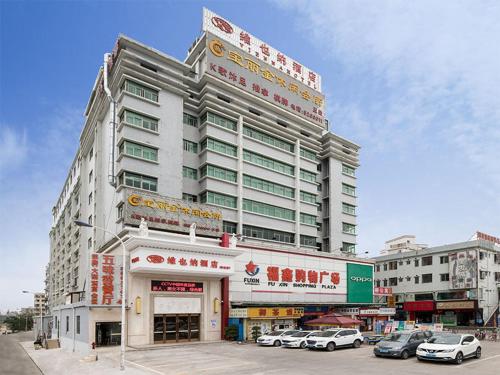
[224, 292]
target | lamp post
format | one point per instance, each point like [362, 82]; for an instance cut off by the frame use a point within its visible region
[41, 311]
[124, 289]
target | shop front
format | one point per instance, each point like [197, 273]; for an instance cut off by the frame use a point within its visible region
[456, 313]
[420, 311]
[375, 319]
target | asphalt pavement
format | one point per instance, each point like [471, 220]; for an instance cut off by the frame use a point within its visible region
[13, 358]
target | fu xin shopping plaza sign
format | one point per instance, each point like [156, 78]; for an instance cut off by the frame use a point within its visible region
[242, 60]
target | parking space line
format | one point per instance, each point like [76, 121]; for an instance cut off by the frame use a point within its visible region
[144, 367]
[481, 360]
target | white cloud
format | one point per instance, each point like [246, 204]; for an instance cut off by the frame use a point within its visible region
[14, 148]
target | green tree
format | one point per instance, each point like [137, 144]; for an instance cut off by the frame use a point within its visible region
[19, 322]
[256, 332]
[231, 332]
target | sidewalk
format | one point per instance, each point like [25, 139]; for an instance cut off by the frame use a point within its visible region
[59, 361]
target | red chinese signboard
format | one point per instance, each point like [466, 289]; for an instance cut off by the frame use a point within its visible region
[176, 286]
[382, 291]
[105, 280]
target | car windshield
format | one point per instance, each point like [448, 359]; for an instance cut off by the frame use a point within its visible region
[300, 334]
[445, 339]
[397, 337]
[275, 333]
[326, 333]
[314, 334]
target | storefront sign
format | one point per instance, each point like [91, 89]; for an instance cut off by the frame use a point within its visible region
[369, 312]
[348, 311]
[105, 279]
[176, 286]
[263, 53]
[359, 283]
[180, 263]
[452, 305]
[382, 291]
[269, 276]
[238, 313]
[463, 269]
[386, 311]
[487, 237]
[244, 71]
[275, 312]
[170, 214]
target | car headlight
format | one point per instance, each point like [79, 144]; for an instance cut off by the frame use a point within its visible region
[448, 350]
[397, 348]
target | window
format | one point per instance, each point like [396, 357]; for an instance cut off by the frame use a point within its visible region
[90, 198]
[270, 187]
[348, 228]
[349, 190]
[349, 248]
[266, 162]
[408, 261]
[445, 277]
[417, 279]
[78, 324]
[218, 172]
[190, 146]
[348, 209]
[190, 120]
[219, 120]
[377, 268]
[90, 220]
[67, 324]
[416, 262]
[443, 259]
[91, 174]
[189, 173]
[138, 151]
[393, 265]
[377, 283]
[307, 176]
[268, 210]
[393, 281]
[218, 146]
[140, 90]
[427, 261]
[346, 169]
[427, 278]
[218, 199]
[229, 227]
[138, 181]
[385, 282]
[308, 197]
[120, 211]
[189, 197]
[268, 234]
[307, 219]
[305, 153]
[319, 206]
[136, 119]
[89, 243]
[309, 241]
[270, 140]
[385, 266]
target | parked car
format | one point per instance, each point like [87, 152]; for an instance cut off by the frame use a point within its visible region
[400, 344]
[298, 339]
[335, 338]
[449, 348]
[274, 338]
[373, 339]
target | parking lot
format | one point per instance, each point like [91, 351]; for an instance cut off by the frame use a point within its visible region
[229, 358]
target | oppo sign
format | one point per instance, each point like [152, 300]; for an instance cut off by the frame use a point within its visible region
[360, 279]
[359, 283]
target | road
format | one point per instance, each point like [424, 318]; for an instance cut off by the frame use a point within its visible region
[13, 358]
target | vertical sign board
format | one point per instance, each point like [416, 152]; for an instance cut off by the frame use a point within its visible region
[105, 280]
[463, 269]
[359, 283]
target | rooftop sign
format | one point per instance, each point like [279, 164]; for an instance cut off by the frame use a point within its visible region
[238, 37]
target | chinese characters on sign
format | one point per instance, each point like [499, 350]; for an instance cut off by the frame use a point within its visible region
[258, 49]
[176, 286]
[243, 71]
[275, 312]
[381, 291]
[170, 213]
[105, 280]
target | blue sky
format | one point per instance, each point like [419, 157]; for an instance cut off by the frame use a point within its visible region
[416, 84]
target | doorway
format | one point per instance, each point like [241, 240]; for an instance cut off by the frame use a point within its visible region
[107, 333]
[175, 328]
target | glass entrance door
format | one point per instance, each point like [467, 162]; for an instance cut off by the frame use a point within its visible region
[175, 328]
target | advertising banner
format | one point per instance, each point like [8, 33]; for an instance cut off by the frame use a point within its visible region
[172, 214]
[244, 71]
[105, 280]
[359, 283]
[275, 312]
[463, 269]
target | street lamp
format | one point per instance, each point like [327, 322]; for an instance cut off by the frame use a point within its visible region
[41, 311]
[124, 289]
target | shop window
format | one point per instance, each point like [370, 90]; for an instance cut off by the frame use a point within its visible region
[427, 278]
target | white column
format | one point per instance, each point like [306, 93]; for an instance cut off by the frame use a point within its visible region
[297, 193]
[239, 229]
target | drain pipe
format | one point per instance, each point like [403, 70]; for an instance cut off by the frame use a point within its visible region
[112, 111]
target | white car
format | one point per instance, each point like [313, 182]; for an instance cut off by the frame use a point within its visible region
[274, 338]
[298, 339]
[334, 338]
[449, 348]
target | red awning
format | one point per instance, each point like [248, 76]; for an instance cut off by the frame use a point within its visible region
[419, 306]
[333, 319]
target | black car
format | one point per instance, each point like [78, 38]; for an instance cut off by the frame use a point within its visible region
[400, 344]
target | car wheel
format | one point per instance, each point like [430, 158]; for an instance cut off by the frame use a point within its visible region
[459, 358]
[356, 344]
[277, 343]
[330, 346]
[405, 354]
[478, 352]
[303, 345]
